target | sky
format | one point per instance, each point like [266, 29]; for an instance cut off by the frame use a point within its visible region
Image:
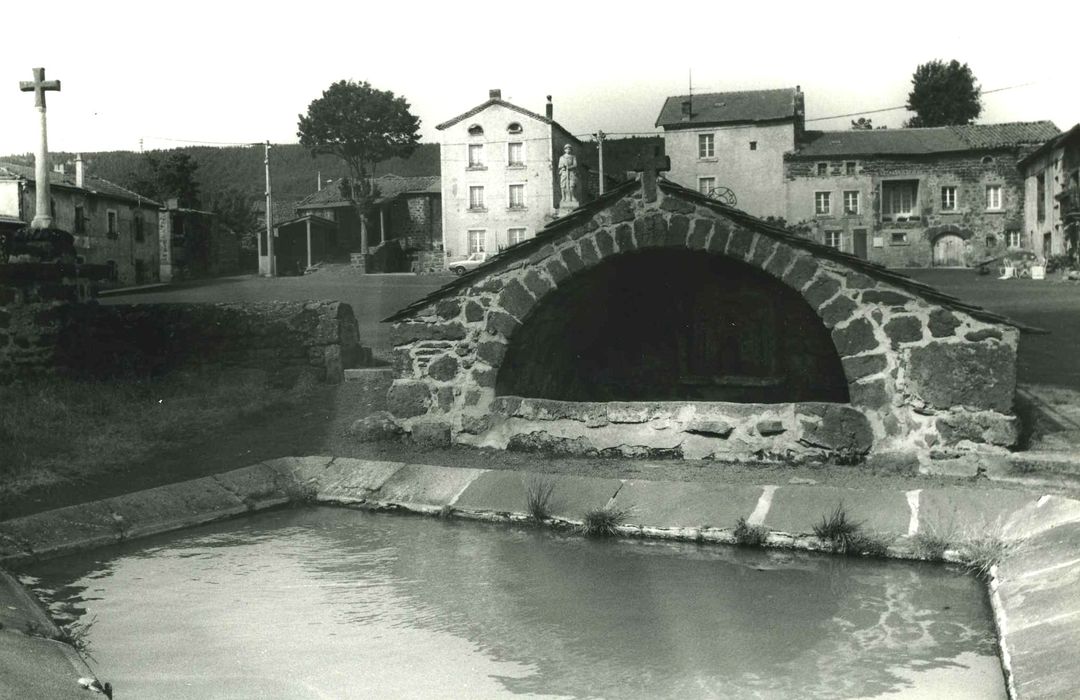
[219, 73]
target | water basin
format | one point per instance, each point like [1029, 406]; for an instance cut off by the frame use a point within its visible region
[338, 603]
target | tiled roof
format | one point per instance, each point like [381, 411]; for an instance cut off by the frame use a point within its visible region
[559, 227]
[940, 139]
[93, 184]
[503, 103]
[725, 107]
[1053, 143]
[389, 186]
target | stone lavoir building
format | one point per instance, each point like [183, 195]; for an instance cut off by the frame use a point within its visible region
[656, 321]
[944, 197]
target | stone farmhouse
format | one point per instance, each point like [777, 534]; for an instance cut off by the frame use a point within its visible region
[734, 140]
[500, 183]
[657, 321]
[1052, 186]
[944, 197]
[113, 226]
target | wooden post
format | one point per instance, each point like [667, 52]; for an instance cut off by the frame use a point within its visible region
[382, 226]
[309, 242]
[271, 266]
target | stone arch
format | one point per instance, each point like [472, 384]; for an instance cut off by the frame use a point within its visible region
[934, 232]
[672, 324]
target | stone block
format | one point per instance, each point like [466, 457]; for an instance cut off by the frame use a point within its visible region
[678, 230]
[821, 290]
[444, 396]
[837, 311]
[484, 377]
[491, 352]
[884, 297]
[740, 243]
[473, 312]
[857, 280]
[801, 272]
[779, 261]
[621, 211]
[872, 394]
[976, 375]
[904, 329]
[499, 323]
[855, 368]
[699, 236]
[589, 256]
[709, 428]
[668, 504]
[764, 248]
[984, 427]
[858, 336]
[402, 361]
[448, 309]
[942, 323]
[650, 230]
[405, 333]
[173, 506]
[797, 509]
[419, 484]
[983, 334]
[721, 235]
[378, 427]
[557, 270]
[624, 238]
[605, 244]
[572, 260]
[408, 399]
[677, 205]
[840, 429]
[768, 428]
[516, 299]
[475, 424]
[541, 254]
[431, 434]
[347, 479]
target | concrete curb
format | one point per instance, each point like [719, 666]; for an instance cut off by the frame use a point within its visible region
[1036, 613]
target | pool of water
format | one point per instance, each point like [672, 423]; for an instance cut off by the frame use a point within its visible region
[337, 603]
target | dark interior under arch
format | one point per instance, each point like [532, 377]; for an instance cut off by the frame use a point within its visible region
[670, 325]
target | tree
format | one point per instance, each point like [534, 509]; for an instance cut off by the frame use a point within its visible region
[161, 179]
[360, 125]
[943, 94]
[862, 124]
[234, 210]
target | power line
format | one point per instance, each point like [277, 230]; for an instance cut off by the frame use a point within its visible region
[904, 106]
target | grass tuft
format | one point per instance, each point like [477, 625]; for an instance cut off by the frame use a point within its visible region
[77, 635]
[603, 522]
[868, 544]
[747, 535]
[979, 554]
[842, 533]
[931, 545]
[539, 490]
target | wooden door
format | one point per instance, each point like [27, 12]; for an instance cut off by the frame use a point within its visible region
[949, 251]
[858, 236]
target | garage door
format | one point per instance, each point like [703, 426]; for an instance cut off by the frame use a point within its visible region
[949, 251]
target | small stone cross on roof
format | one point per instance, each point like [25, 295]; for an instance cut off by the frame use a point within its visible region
[38, 86]
[650, 167]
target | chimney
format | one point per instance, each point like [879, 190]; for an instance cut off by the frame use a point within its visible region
[318, 181]
[686, 107]
[80, 171]
[550, 108]
[495, 94]
[58, 168]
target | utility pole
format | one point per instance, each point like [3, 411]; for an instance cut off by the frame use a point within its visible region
[600, 147]
[271, 267]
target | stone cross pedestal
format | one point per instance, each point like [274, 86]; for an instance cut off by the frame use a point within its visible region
[43, 206]
[649, 169]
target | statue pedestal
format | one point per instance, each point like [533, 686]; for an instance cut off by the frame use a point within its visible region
[565, 207]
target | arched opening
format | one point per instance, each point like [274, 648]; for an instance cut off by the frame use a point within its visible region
[949, 250]
[671, 325]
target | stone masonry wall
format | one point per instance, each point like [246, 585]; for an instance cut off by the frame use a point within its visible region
[922, 377]
[285, 339]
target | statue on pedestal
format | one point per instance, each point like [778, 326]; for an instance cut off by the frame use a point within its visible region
[568, 179]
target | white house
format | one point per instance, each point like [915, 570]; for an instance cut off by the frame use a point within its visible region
[499, 176]
[734, 140]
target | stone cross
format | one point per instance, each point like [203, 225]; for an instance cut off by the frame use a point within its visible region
[649, 168]
[43, 207]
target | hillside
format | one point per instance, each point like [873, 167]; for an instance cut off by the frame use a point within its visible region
[294, 171]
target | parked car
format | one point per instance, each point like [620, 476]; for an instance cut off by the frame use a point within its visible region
[460, 267]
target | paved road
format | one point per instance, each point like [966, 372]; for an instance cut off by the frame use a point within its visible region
[373, 297]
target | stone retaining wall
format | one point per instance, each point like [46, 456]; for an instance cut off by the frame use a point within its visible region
[286, 339]
[923, 376]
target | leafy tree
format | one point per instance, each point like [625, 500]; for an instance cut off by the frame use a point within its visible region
[862, 124]
[359, 124]
[943, 94]
[163, 178]
[234, 210]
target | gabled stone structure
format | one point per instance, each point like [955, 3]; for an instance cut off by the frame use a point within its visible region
[655, 321]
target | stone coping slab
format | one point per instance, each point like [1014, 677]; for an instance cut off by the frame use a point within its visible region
[1033, 591]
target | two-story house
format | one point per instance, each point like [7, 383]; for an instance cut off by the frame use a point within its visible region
[734, 140]
[500, 181]
[113, 226]
[1052, 184]
[945, 196]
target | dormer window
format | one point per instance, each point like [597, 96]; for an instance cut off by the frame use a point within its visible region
[476, 130]
[514, 128]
